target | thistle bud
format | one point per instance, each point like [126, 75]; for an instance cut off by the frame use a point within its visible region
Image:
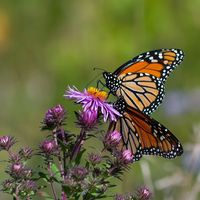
[95, 158]
[54, 117]
[7, 185]
[26, 152]
[126, 157]
[15, 158]
[143, 193]
[49, 147]
[119, 197]
[29, 186]
[79, 172]
[17, 170]
[112, 139]
[87, 119]
[6, 142]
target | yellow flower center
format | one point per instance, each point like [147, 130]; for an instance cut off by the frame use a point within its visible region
[97, 93]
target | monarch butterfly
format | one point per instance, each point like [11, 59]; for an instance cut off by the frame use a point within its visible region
[142, 134]
[141, 80]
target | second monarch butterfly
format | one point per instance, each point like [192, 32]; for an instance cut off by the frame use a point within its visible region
[141, 80]
[143, 135]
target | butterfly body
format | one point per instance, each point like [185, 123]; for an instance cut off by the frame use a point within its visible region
[112, 82]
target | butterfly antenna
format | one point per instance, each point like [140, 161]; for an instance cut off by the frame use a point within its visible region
[93, 79]
[97, 68]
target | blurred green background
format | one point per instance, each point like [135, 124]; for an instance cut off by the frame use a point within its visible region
[47, 45]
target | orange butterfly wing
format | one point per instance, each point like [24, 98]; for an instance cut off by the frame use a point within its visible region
[145, 136]
[155, 138]
[158, 63]
[141, 80]
[145, 67]
[141, 91]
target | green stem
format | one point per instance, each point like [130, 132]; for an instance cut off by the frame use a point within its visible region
[78, 144]
[51, 182]
[59, 158]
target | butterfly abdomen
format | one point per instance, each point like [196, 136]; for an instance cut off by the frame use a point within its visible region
[120, 105]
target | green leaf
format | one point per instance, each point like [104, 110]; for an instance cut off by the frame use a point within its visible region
[46, 196]
[101, 196]
[66, 189]
[43, 176]
[63, 145]
[87, 164]
[56, 172]
[79, 156]
[70, 191]
[112, 185]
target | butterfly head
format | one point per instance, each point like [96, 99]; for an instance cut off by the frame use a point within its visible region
[112, 82]
[107, 75]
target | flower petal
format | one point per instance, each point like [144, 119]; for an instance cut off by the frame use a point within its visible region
[91, 103]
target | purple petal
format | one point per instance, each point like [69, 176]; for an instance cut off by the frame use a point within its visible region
[91, 103]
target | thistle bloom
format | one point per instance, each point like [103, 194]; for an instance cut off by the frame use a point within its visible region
[126, 157]
[7, 185]
[49, 147]
[29, 186]
[144, 193]
[62, 136]
[28, 172]
[6, 142]
[26, 152]
[54, 117]
[17, 170]
[15, 157]
[93, 100]
[79, 172]
[95, 158]
[112, 139]
[120, 197]
[87, 119]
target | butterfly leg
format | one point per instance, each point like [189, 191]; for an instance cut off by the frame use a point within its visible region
[108, 94]
[100, 82]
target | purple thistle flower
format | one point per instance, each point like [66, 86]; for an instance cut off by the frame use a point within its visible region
[49, 147]
[112, 139]
[126, 157]
[63, 196]
[120, 197]
[26, 152]
[143, 193]
[28, 172]
[79, 172]
[62, 136]
[87, 119]
[7, 185]
[29, 186]
[6, 142]
[15, 157]
[17, 170]
[54, 117]
[93, 100]
[95, 158]
[70, 181]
